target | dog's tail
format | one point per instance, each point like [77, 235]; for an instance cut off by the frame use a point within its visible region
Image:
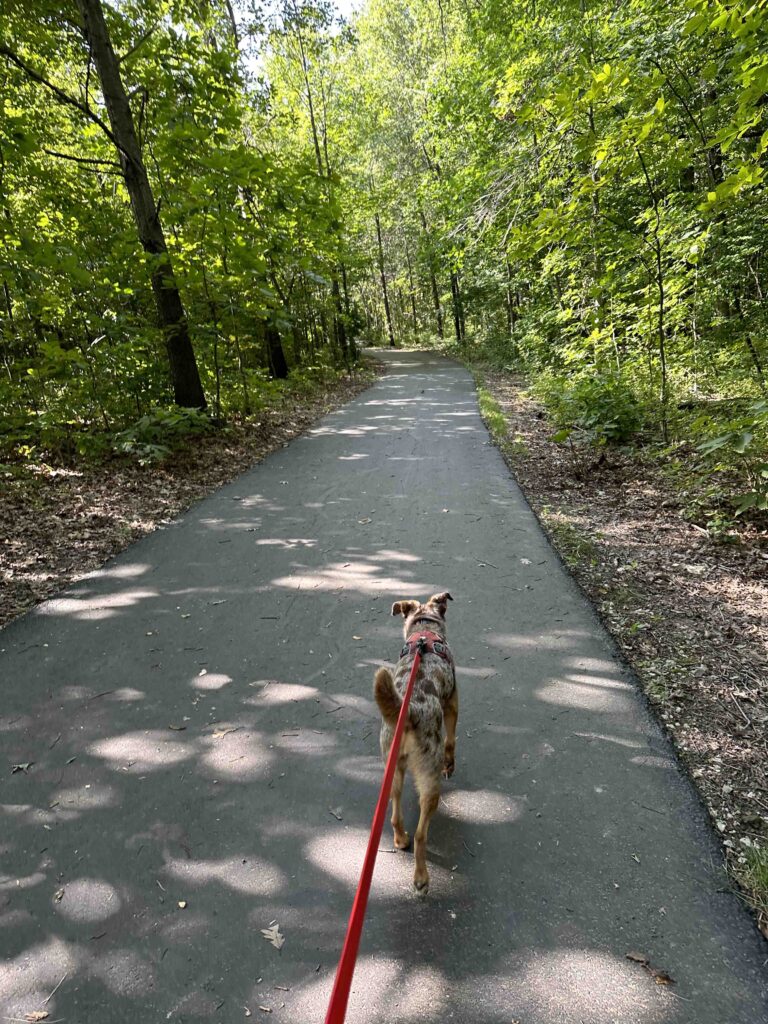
[387, 697]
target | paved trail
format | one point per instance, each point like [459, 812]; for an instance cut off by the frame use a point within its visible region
[195, 709]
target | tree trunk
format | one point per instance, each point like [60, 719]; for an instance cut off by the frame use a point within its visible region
[432, 278]
[458, 312]
[187, 389]
[412, 291]
[339, 325]
[384, 284]
[277, 363]
[511, 313]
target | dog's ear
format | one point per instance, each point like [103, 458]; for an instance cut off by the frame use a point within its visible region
[441, 600]
[404, 608]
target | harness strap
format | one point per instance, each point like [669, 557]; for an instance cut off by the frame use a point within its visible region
[429, 643]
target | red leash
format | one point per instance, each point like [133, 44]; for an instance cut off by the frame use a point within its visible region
[337, 1007]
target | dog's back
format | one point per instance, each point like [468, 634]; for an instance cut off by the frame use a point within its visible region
[434, 703]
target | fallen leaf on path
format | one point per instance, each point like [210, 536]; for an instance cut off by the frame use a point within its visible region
[177, 728]
[336, 812]
[24, 767]
[357, 638]
[662, 978]
[525, 561]
[363, 521]
[266, 1009]
[223, 732]
[247, 1011]
[36, 1015]
[273, 935]
[58, 896]
[182, 904]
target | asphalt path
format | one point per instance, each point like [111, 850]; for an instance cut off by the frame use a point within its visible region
[201, 752]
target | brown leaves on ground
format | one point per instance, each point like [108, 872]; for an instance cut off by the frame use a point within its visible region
[58, 523]
[690, 614]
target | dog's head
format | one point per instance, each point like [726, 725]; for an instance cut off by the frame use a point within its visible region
[432, 611]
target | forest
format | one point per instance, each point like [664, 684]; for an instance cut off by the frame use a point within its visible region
[205, 205]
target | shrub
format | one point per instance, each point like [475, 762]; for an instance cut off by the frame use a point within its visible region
[602, 407]
[153, 437]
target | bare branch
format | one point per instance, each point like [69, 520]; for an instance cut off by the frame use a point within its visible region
[61, 96]
[85, 160]
[140, 42]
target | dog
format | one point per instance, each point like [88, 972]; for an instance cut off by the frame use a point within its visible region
[434, 703]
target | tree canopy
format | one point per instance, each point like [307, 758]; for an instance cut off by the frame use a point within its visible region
[575, 188]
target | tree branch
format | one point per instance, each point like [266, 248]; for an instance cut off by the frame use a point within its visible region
[84, 159]
[138, 43]
[61, 96]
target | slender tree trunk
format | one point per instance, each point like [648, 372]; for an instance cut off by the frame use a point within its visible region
[750, 345]
[339, 326]
[384, 284]
[346, 289]
[511, 315]
[458, 311]
[277, 363]
[188, 390]
[412, 291]
[660, 322]
[432, 278]
[214, 311]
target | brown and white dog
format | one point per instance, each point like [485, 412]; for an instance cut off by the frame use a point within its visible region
[435, 701]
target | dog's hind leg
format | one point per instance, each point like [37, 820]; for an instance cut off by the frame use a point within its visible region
[402, 839]
[450, 717]
[429, 798]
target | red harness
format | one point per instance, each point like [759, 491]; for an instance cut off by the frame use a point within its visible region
[428, 643]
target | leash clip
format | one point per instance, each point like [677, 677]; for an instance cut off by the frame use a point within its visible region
[422, 645]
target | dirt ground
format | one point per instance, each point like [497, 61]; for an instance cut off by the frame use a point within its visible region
[689, 613]
[59, 522]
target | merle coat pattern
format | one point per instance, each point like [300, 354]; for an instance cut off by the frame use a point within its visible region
[424, 751]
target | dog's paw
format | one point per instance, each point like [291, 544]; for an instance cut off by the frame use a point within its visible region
[448, 768]
[421, 886]
[402, 841]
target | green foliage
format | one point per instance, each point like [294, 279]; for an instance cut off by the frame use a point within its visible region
[491, 412]
[740, 445]
[572, 190]
[253, 226]
[155, 435]
[602, 408]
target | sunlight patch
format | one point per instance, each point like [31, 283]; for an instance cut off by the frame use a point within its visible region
[274, 692]
[137, 752]
[481, 806]
[238, 756]
[590, 698]
[242, 873]
[88, 899]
